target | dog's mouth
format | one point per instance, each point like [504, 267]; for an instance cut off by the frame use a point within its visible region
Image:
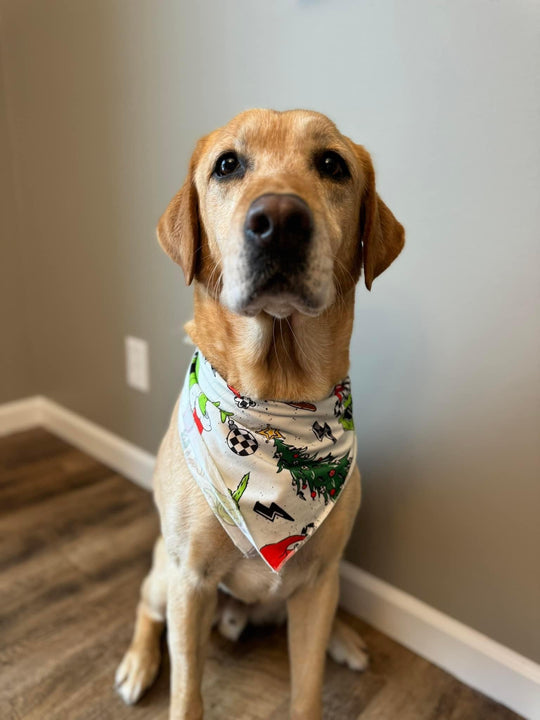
[279, 295]
[281, 306]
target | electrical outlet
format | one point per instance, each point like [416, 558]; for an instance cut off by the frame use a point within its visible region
[137, 366]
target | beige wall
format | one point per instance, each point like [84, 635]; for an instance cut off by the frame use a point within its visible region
[108, 98]
[16, 377]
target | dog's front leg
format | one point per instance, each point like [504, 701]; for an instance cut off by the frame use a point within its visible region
[192, 597]
[311, 611]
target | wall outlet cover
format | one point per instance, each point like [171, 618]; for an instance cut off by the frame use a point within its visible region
[137, 364]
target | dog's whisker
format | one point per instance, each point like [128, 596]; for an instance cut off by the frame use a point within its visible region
[283, 342]
[211, 278]
[275, 345]
[344, 268]
[340, 295]
[298, 344]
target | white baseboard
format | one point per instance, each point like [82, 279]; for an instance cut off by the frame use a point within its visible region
[128, 459]
[478, 661]
[123, 456]
[20, 415]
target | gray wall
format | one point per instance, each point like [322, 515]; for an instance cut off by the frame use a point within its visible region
[108, 98]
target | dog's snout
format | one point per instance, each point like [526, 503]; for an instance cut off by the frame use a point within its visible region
[278, 221]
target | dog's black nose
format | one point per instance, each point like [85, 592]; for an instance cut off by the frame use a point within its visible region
[278, 222]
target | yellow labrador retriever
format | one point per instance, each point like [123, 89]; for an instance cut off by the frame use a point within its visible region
[275, 322]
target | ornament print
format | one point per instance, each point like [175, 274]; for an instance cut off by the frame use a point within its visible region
[240, 440]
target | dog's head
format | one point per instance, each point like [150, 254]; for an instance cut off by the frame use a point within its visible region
[278, 214]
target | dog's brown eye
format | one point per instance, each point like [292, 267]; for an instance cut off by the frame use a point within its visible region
[227, 164]
[331, 165]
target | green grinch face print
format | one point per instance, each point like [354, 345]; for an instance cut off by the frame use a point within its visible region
[199, 400]
[318, 476]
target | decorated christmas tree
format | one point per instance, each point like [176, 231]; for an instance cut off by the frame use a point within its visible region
[321, 476]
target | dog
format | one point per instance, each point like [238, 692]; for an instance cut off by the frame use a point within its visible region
[276, 221]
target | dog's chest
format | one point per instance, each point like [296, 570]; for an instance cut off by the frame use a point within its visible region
[253, 582]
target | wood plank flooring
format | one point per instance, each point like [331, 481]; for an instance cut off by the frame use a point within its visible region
[75, 541]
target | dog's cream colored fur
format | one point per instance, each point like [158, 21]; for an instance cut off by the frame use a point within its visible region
[291, 353]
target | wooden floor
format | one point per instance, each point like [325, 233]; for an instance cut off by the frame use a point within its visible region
[75, 542]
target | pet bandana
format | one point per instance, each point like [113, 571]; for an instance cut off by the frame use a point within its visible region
[271, 471]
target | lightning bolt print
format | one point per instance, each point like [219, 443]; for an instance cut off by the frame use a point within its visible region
[272, 512]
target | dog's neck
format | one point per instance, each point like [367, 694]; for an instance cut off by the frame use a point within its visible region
[297, 358]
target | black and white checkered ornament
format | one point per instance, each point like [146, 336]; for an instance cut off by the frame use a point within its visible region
[241, 441]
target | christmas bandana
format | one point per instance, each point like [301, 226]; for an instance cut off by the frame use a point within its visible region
[271, 471]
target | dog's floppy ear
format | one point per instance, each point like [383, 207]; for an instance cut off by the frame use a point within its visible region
[179, 228]
[381, 236]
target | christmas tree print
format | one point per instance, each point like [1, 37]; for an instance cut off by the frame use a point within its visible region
[322, 476]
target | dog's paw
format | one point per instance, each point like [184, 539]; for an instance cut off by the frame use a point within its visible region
[347, 647]
[233, 620]
[135, 674]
